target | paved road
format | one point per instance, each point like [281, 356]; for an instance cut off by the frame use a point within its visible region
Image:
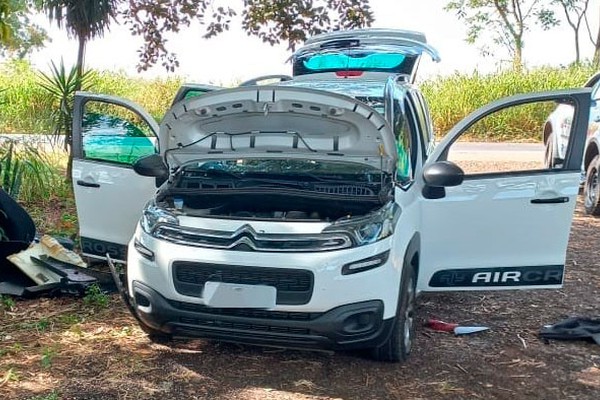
[479, 151]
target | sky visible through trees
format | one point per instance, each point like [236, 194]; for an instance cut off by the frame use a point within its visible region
[234, 56]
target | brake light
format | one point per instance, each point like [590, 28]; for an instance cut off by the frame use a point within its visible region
[348, 74]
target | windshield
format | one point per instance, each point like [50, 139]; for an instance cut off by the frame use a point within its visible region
[303, 169]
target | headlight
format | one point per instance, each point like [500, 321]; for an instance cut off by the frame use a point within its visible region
[152, 216]
[371, 228]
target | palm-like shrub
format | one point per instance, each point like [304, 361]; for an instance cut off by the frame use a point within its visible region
[61, 85]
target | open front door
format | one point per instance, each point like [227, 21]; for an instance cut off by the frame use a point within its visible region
[109, 135]
[506, 226]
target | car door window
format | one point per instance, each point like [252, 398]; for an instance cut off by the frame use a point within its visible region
[115, 134]
[425, 124]
[509, 140]
[404, 124]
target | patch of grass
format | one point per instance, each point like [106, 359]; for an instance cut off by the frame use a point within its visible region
[69, 319]
[11, 375]
[54, 395]
[76, 329]
[7, 303]
[42, 325]
[48, 354]
[11, 350]
[95, 297]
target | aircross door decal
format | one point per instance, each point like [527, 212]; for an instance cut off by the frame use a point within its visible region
[546, 275]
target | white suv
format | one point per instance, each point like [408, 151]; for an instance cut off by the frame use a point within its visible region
[290, 215]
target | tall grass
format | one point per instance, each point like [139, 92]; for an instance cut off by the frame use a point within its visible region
[27, 170]
[25, 107]
[155, 95]
[453, 97]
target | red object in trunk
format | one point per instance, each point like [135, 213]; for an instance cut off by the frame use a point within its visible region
[348, 74]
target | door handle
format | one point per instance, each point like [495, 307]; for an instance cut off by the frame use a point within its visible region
[552, 200]
[88, 184]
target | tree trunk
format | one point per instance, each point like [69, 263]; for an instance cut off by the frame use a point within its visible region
[518, 57]
[69, 130]
[577, 51]
[80, 60]
[596, 59]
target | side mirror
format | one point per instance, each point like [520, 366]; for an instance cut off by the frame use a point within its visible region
[151, 165]
[443, 174]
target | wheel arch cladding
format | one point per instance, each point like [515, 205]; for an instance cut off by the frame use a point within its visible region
[590, 152]
[547, 131]
[411, 255]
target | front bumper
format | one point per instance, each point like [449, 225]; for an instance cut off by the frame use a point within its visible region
[351, 326]
[329, 289]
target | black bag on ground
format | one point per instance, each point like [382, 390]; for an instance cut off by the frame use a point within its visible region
[574, 328]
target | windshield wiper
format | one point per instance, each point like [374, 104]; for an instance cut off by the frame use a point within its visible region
[265, 182]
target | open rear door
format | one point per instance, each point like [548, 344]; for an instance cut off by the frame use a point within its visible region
[506, 226]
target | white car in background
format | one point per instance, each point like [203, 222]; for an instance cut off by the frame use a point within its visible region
[310, 213]
[556, 139]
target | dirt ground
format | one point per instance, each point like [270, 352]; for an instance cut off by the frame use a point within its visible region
[65, 349]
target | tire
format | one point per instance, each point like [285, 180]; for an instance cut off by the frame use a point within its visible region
[160, 338]
[591, 188]
[155, 336]
[398, 346]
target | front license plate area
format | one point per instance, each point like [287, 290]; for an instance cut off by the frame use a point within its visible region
[234, 295]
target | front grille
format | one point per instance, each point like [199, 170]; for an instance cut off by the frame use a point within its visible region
[246, 312]
[294, 287]
[213, 323]
[246, 239]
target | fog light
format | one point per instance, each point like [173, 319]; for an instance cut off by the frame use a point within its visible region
[360, 323]
[141, 300]
[365, 264]
[143, 250]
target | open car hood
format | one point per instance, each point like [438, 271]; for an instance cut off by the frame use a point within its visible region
[276, 122]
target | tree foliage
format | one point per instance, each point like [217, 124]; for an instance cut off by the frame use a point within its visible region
[289, 21]
[505, 22]
[5, 31]
[82, 19]
[18, 34]
[274, 21]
